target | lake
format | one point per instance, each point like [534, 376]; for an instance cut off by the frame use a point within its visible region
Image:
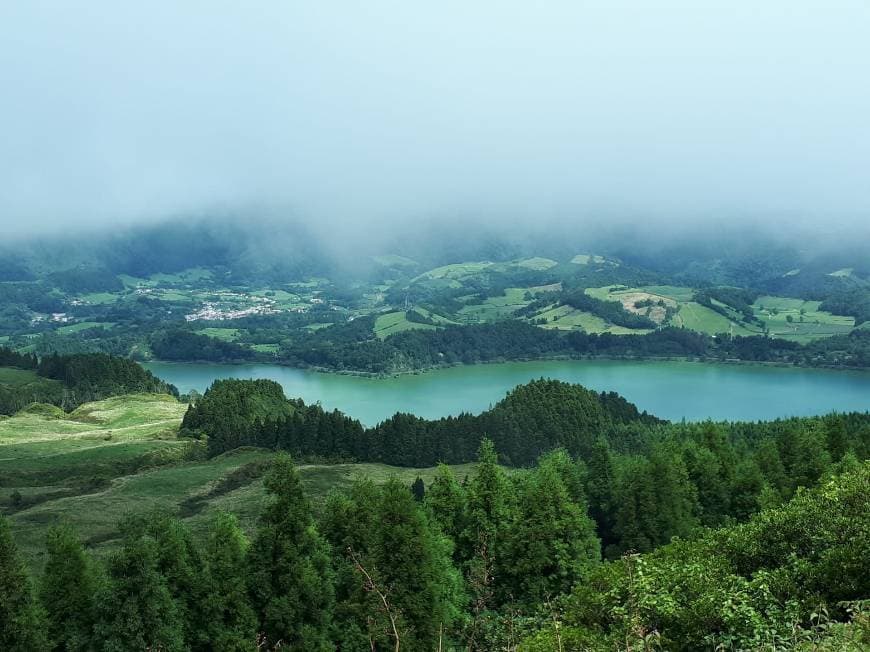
[671, 390]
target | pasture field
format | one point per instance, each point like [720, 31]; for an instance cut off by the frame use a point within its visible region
[44, 443]
[536, 263]
[111, 458]
[318, 326]
[26, 380]
[225, 334]
[799, 320]
[18, 377]
[499, 307]
[677, 293]
[629, 297]
[396, 322]
[84, 325]
[706, 320]
[586, 259]
[394, 260]
[567, 318]
[101, 298]
[190, 276]
[456, 271]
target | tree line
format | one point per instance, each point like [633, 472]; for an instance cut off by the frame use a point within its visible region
[352, 347]
[82, 377]
[646, 480]
[531, 419]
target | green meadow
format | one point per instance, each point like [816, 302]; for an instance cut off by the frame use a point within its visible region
[111, 458]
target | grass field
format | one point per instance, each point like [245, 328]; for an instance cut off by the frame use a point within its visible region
[455, 272]
[394, 260]
[225, 334]
[494, 308]
[18, 377]
[111, 458]
[83, 326]
[706, 320]
[26, 380]
[586, 259]
[537, 263]
[396, 322]
[799, 320]
[566, 318]
[100, 298]
[102, 438]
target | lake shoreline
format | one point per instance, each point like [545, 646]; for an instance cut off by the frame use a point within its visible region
[553, 358]
[672, 389]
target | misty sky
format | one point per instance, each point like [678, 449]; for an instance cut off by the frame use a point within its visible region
[359, 112]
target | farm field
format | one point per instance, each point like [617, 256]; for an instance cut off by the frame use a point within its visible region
[788, 318]
[566, 318]
[799, 320]
[396, 322]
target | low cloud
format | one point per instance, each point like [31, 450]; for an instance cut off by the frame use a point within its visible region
[362, 118]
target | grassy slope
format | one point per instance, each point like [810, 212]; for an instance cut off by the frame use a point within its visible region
[396, 322]
[19, 377]
[130, 444]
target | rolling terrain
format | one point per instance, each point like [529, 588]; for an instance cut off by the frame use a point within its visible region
[232, 304]
[107, 459]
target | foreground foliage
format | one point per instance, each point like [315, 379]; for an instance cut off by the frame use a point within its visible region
[499, 561]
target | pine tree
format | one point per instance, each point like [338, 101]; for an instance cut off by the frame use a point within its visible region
[348, 523]
[489, 512]
[230, 623]
[811, 457]
[22, 621]
[446, 501]
[600, 487]
[136, 610]
[179, 561]
[418, 488]
[770, 464]
[67, 591]
[291, 579]
[748, 485]
[551, 542]
[397, 576]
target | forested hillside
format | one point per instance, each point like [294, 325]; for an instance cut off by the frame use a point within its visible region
[70, 380]
[650, 480]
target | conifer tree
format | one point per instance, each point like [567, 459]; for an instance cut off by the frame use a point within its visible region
[67, 591]
[552, 540]
[418, 488]
[770, 464]
[446, 501]
[22, 621]
[489, 511]
[136, 609]
[291, 579]
[179, 561]
[230, 622]
[600, 487]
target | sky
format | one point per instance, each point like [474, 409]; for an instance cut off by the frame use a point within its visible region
[361, 114]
